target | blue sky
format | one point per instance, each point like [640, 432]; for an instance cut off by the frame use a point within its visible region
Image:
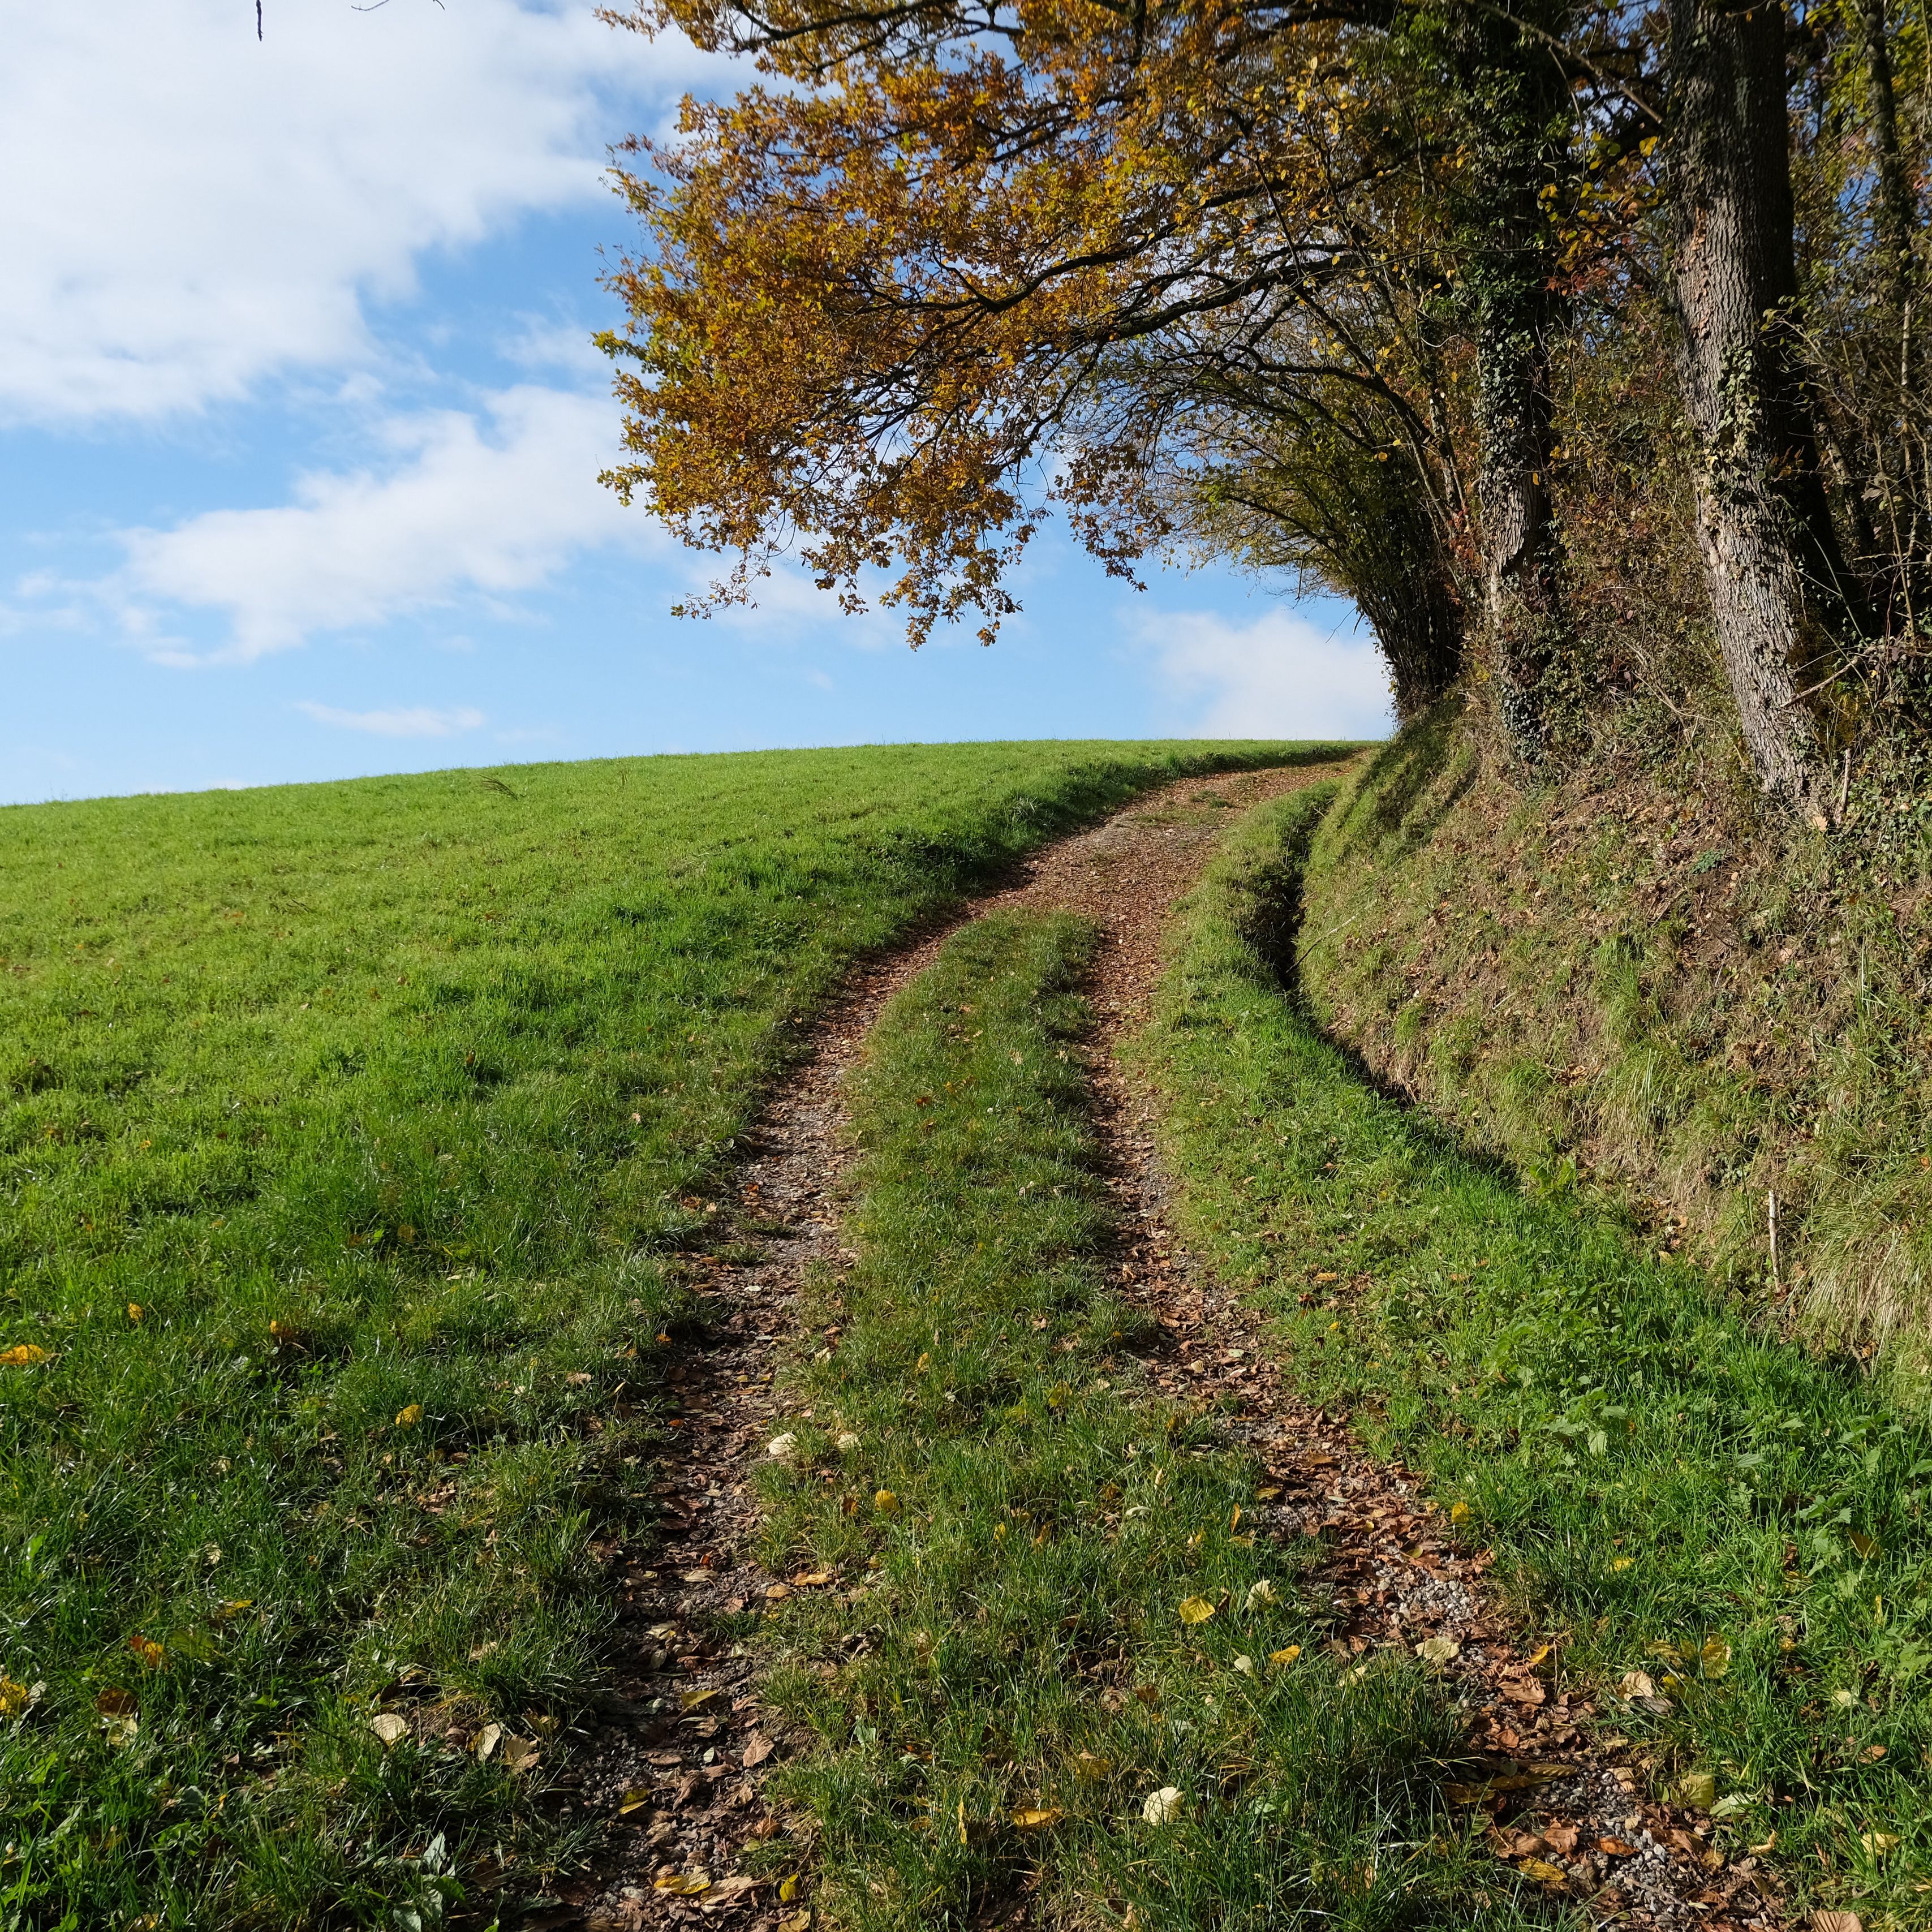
[301, 431]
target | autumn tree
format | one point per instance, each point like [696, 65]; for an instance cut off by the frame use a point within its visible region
[1195, 260]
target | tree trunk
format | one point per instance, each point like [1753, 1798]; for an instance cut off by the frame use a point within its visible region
[1513, 103]
[1525, 607]
[1779, 587]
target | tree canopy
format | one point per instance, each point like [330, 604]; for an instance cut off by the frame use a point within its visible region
[1407, 299]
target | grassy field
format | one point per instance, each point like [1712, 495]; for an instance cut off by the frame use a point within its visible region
[347, 1133]
[1668, 1488]
[1056, 1618]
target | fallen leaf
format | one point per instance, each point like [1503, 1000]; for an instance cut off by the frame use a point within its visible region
[120, 1732]
[756, 1750]
[885, 1502]
[1698, 1790]
[1637, 1684]
[1162, 1806]
[1034, 1817]
[777, 1593]
[691, 1699]
[14, 1696]
[1459, 1513]
[1245, 1665]
[848, 1441]
[153, 1655]
[114, 1703]
[1836, 1922]
[1877, 1843]
[635, 1799]
[232, 1607]
[1262, 1592]
[134, 1311]
[1866, 1546]
[390, 1728]
[811, 1579]
[1715, 1657]
[1092, 1769]
[1616, 1848]
[782, 1445]
[799, 1922]
[1279, 1657]
[685, 1884]
[519, 1753]
[1543, 1872]
[1620, 1564]
[1438, 1650]
[1195, 1610]
[1561, 1838]
[406, 1418]
[22, 1355]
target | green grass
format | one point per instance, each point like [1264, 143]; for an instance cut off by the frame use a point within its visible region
[348, 1135]
[1666, 1486]
[1014, 1524]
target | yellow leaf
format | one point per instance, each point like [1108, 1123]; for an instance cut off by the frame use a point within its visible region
[1459, 1513]
[519, 1753]
[1716, 1657]
[691, 1699]
[407, 1417]
[962, 1827]
[885, 1502]
[1279, 1657]
[1866, 1545]
[685, 1884]
[1622, 1563]
[1090, 1768]
[488, 1739]
[1262, 1592]
[811, 1579]
[1877, 1843]
[134, 1311]
[1195, 1610]
[12, 1697]
[22, 1355]
[1033, 1817]
[1698, 1790]
[1438, 1650]
[1543, 1871]
[635, 1799]
[1163, 1806]
[390, 1728]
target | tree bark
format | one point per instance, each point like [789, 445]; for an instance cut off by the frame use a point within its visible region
[1778, 585]
[1513, 100]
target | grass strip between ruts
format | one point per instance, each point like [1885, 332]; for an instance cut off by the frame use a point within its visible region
[1049, 1614]
[1666, 1486]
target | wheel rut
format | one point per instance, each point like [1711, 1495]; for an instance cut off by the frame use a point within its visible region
[676, 1761]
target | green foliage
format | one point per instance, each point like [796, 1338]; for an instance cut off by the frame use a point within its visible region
[1666, 1486]
[1011, 1679]
[347, 1137]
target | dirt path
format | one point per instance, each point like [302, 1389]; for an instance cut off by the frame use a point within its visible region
[681, 1758]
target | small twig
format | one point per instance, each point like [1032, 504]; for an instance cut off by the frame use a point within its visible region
[1770, 1220]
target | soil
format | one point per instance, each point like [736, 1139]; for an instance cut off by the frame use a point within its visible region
[677, 1761]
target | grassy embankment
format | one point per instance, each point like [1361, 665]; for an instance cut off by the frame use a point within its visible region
[1668, 1487]
[1645, 972]
[1056, 1615]
[347, 1134]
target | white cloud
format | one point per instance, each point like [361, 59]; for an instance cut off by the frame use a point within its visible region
[419, 721]
[455, 512]
[188, 211]
[1279, 677]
